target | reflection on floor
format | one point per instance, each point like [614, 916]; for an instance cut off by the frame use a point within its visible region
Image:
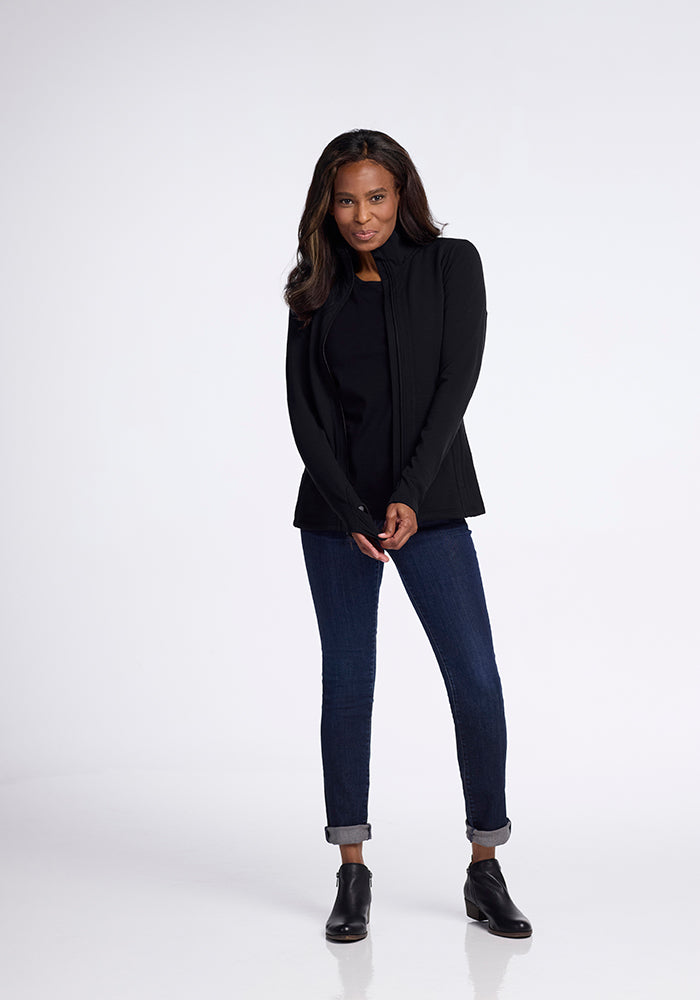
[164, 884]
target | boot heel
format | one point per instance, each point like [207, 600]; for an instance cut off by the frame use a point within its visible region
[473, 910]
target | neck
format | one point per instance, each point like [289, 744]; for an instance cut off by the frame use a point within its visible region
[365, 264]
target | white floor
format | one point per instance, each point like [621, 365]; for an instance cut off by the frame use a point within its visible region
[163, 884]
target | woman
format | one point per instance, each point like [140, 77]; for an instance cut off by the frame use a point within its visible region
[386, 334]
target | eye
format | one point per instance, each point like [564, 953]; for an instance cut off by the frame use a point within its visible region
[377, 197]
[344, 201]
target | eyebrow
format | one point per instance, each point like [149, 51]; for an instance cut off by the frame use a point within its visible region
[349, 194]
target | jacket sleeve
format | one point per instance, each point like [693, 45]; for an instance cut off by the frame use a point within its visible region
[464, 332]
[312, 441]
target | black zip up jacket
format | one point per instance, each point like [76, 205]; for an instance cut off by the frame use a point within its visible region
[435, 303]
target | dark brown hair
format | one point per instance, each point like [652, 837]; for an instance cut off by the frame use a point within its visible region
[310, 281]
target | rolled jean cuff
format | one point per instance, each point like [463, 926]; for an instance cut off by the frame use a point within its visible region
[489, 838]
[348, 834]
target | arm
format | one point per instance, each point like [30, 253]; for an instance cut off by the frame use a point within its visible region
[312, 442]
[464, 331]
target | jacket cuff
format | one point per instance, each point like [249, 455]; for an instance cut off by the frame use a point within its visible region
[358, 518]
[403, 495]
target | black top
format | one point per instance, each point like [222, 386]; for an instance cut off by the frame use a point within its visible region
[435, 306]
[358, 357]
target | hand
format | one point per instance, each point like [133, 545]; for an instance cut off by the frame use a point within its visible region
[367, 548]
[400, 523]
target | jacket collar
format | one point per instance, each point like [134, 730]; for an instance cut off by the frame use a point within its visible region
[395, 249]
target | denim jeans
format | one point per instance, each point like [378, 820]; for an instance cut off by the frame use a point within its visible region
[439, 569]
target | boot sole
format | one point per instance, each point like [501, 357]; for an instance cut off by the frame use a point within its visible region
[346, 937]
[475, 913]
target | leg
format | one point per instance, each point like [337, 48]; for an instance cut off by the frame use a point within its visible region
[345, 590]
[481, 853]
[439, 569]
[351, 854]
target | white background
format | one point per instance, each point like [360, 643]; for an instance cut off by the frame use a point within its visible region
[160, 659]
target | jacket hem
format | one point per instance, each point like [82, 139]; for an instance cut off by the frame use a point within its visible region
[432, 515]
[319, 526]
[439, 515]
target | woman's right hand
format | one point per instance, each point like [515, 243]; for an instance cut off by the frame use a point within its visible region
[366, 547]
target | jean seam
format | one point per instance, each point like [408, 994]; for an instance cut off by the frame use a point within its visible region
[355, 552]
[375, 624]
[442, 662]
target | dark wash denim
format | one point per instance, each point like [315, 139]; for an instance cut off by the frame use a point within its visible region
[438, 567]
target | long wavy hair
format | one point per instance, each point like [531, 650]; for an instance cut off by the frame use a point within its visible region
[310, 281]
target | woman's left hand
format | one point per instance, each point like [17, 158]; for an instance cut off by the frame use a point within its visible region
[400, 523]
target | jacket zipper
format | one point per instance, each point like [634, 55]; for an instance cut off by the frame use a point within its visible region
[386, 276]
[399, 366]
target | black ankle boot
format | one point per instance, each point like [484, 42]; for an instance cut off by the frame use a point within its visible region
[486, 897]
[350, 914]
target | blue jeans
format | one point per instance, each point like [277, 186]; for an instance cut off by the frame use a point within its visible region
[439, 569]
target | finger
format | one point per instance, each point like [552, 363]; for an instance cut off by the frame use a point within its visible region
[378, 553]
[389, 524]
[404, 531]
[397, 540]
[367, 549]
[375, 553]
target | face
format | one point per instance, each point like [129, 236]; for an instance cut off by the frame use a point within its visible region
[365, 204]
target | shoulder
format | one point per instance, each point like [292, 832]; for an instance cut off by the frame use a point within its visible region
[293, 322]
[452, 249]
[298, 331]
[454, 258]
[449, 250]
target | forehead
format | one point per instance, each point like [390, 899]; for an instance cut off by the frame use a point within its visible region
[363, 176]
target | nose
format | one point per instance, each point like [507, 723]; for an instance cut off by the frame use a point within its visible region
[362, 214]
